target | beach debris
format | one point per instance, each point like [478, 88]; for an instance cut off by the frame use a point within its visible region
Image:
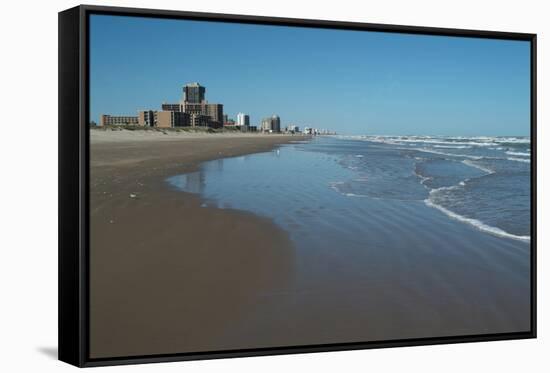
[132, 195]
[111, 221]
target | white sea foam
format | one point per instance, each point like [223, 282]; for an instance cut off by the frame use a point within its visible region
[513, 140]
[425, 150]
[334, 185]
[522, 154]
[423, 179]
[479, 167]
[453, 146]
[354, 195]
[478, 141]
[524, 160]
[429, 141]
[452, 187]
[476, 223]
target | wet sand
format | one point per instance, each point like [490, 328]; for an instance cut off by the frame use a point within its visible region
[168, 275]
[366, 268]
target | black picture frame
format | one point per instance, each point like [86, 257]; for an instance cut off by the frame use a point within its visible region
[74, 182]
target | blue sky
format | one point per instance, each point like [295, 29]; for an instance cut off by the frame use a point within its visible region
[353, 82]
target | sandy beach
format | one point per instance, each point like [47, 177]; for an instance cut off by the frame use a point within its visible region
[166, 274]
[373, 261]
[325, 241]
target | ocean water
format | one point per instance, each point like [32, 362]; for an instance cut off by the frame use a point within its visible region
[480, 181]
[394, 237]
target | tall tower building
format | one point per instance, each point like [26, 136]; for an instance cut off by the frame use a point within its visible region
[193, 93]
[276, 123]
[243, 119]
[215, 112]
[266, 125]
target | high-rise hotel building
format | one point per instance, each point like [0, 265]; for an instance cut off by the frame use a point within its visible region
[194, 93]
[192, 110]
[200, 111]
[272, 124]
[243, 120]
[212, 113]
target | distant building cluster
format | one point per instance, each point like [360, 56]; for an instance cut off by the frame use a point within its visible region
[316, 131]
[272, 124]
[194, 111]
[292, 128]
[242, 123]
[243, 120]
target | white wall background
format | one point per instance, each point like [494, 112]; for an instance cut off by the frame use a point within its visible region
[28, 184]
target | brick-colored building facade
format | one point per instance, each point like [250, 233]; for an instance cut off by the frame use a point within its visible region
[193, 110]
[117, 120]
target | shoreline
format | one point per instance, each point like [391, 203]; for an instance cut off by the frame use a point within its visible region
[246, 281]
[146, 254]
[368, 267]
[109, 135]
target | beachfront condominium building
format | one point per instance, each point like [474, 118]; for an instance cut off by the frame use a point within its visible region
[146, 118]
[276, 123]
[271, 124]
[171, 119]
[293, 128]
[163, 119]
[193, 93]
[171, 107]
[243, 119]
[265, 125]
[215, 112]
[200, 120]
[194, 110]
[195, 104]
[117, 120]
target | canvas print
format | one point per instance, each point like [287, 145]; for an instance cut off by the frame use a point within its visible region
[260, 186]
